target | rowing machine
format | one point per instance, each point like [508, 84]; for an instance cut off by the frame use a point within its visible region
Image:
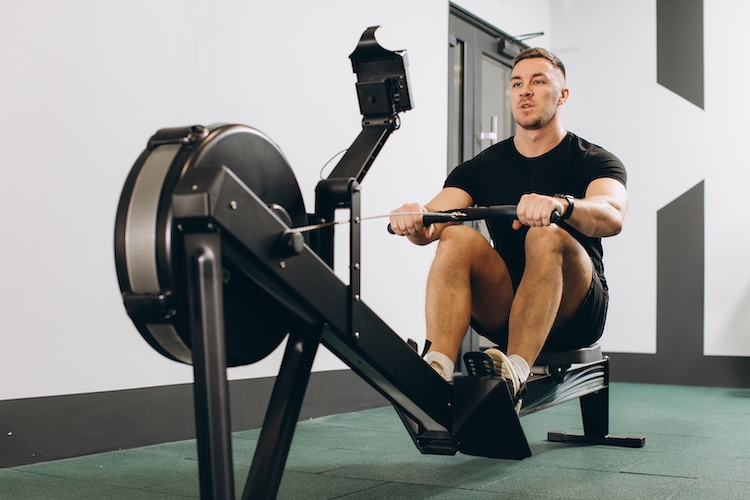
[213, 273]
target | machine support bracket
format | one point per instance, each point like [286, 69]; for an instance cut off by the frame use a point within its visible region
[355, 261]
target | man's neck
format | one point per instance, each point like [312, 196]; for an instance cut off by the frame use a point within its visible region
[533, 143]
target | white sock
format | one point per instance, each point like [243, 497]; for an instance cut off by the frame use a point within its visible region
[441, 363]
[521, 366]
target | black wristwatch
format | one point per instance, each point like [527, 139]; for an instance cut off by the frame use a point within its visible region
[571, 204]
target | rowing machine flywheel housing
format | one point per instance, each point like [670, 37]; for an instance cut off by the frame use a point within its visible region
[150, 269]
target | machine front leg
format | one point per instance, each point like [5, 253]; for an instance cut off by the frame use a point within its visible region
[211, 394]
[282, 414]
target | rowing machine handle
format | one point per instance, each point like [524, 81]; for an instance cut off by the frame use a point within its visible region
[477, 213]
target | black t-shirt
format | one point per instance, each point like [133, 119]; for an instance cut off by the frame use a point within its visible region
[500, 175]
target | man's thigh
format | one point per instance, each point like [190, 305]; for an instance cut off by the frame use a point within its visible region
[492, 287]
[587, 324]
[576, 266]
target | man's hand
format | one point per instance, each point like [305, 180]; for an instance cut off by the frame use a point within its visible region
[600, 213]
[534, 210]
[410, 225]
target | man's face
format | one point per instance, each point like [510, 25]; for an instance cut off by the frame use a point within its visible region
[537, 90]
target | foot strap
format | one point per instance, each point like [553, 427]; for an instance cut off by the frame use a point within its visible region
[479, 364]
[427, 345]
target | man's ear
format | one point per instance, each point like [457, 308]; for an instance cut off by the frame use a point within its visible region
[564, 93]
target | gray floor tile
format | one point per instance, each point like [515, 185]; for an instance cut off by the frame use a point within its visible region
[396, 491]
[711, 489]
[17, 485]
[561, 483]
[694, 466]
[300, 485]
[130, 468]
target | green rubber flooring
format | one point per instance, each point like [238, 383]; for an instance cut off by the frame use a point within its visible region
[697, 447]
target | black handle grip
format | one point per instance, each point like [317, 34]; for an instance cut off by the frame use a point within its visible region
[477, 213]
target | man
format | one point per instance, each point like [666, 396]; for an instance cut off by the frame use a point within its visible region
[543, 283]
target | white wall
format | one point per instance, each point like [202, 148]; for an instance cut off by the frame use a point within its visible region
[85, 83]
[615, 102]
[727, 170]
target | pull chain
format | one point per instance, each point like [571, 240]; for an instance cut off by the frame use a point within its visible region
[446, 215]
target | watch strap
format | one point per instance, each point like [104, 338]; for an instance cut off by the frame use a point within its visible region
[571, 204]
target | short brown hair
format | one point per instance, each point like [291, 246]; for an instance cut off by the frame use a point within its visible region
[534, 52]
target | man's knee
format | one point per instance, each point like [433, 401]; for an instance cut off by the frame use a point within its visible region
[548, 240]
[461, 239]
[459, 231]
[462, 249]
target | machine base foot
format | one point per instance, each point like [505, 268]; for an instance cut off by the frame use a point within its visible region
[624, 441]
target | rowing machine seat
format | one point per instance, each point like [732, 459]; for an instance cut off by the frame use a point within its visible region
[588, 354]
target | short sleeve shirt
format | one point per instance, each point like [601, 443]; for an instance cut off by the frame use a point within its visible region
[500, 175]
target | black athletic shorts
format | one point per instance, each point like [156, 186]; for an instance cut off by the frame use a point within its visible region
[582, 330]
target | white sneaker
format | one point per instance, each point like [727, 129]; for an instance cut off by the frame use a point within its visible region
[439, 369]
[441, 363]
[504, 368]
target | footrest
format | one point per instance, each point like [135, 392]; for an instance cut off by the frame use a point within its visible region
[479, 364]
[624, 441]
[485, 422]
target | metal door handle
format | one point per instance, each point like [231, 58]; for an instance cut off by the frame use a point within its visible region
[492, 134]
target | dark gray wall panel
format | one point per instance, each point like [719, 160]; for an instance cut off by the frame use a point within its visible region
[679, 48]
[679, 358]
[680, 277]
